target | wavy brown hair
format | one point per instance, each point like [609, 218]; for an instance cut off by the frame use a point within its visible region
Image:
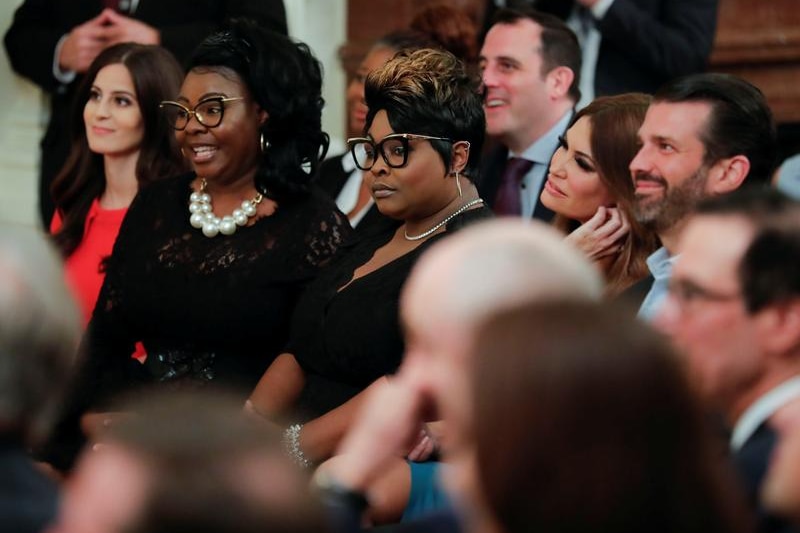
[614, 142]
[156, 76]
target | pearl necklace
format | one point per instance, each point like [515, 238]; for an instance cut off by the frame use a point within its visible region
[202, 214]
[443, 222]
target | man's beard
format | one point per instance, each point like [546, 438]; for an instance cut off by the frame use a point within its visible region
[661, 214]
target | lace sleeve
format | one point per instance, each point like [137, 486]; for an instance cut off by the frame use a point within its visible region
[325, 239]
[319, 230]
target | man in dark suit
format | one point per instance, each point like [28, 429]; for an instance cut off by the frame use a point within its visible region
[734, 309]
[636, 45]
[530, 64]
[52, 43]
[39, 333]
[703, 135]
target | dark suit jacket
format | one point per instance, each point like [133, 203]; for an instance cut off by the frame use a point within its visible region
[632, 297]
[39, 24]
[488, 183]
[752, 462]
[647, 42]
[331, 178]
[28, 499]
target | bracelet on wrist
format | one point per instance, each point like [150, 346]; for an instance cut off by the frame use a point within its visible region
[291, 444]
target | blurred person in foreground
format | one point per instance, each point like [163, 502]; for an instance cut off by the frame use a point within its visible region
[586, 423]
[734, 309]
[492, 266]
[39, 333]
[187, 462]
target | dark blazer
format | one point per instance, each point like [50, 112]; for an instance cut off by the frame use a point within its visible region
[752, 461]
[39, 24]
[632, 297]
[488, 183]
[647, 42]
[331, 178]
[28, 499]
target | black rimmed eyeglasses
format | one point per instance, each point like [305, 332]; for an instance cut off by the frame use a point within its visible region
[393, 148]
[208, 112]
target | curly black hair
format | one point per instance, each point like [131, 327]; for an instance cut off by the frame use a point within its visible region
[285, 80]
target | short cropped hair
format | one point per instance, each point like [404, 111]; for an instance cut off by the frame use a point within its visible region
[740, 122]
[768, 270]
[430, 92]
[560, 46]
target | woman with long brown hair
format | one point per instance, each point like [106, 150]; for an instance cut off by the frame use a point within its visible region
[590, 189]
[120, 142]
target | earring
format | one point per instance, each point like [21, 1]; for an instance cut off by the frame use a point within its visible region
[458, 185]
[264, 143]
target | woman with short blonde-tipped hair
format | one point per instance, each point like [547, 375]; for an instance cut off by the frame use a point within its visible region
[423, 136]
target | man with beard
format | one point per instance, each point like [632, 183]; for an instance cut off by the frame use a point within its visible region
[703, 135]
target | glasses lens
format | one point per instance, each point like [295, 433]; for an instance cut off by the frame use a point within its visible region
[364, 154]
[395, 150]
[177, 116]
[209, 113]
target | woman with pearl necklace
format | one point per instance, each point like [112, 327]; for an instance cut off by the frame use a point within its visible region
[208, 266]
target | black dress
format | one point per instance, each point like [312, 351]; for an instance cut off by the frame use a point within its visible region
[205, 309]
[346, 339]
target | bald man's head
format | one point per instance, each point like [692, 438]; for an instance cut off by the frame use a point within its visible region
[464, 279]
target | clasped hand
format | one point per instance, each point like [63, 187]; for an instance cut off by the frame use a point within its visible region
[87, 40]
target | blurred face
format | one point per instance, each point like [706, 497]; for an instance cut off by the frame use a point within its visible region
[356, 105]
[668, 172]
[437, 353]
[705, 314]
[517, 94]
[114, 124]
[418, 189]
[573, 187]
[229, 152]
[104, 494]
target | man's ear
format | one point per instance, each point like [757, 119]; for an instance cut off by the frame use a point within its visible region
[559, 80]
[728, 174]
[460, 156]
[779, 328]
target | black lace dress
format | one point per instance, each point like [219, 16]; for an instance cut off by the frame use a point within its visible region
[204, 309]
[346, 339]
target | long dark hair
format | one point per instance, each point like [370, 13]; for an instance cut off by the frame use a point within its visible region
[156, 76]
[285, 80]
